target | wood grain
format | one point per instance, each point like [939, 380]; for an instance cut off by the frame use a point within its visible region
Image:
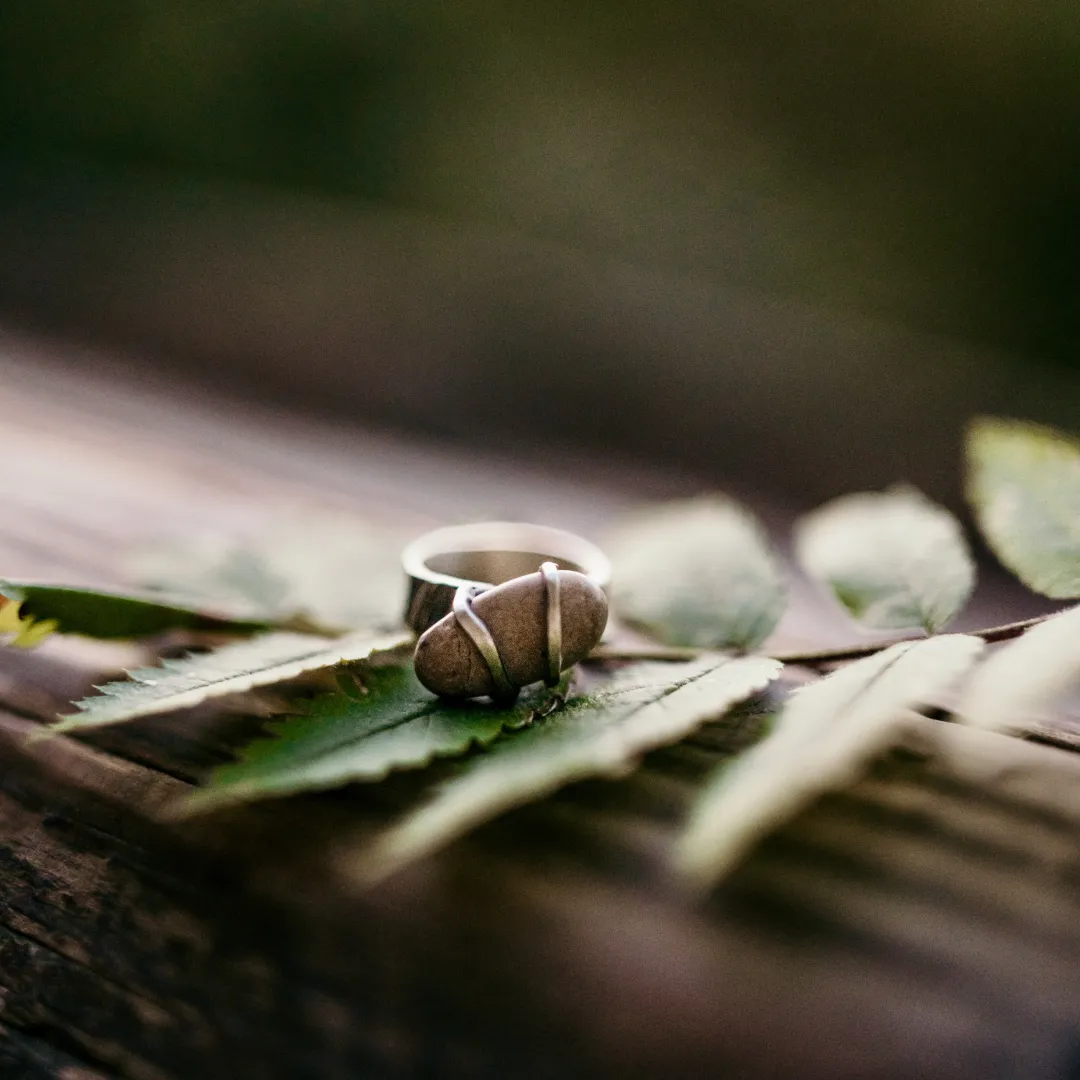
[923, 924]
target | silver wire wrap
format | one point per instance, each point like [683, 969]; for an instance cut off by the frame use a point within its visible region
[481, 637]
[553, 595]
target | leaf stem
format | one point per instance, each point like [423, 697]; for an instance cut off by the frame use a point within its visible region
[647, 652]
[816, 658]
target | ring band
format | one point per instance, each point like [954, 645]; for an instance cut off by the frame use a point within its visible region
[485, 554]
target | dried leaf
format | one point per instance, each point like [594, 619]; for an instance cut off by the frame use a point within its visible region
[1023, 483]
[698, 572]
[894, 559]
[827, 734]
[1018, 687]
[603, 734]
[330, 572]
[232, 669]
[392, 723]
[99, 614]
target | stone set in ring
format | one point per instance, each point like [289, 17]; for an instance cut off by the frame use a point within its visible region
[450, 569]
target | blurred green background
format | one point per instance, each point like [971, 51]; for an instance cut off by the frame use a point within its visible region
[920, 160]
[235, 179]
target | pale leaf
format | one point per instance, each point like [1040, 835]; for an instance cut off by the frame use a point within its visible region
[328, 571]
[824, 739]
[1023, 482]
[389, 722]
[604, 734]
[1018, 686]
[698, 572]
[232, 669]
[894, 559]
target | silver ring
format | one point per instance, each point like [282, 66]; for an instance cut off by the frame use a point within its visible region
[486, 554]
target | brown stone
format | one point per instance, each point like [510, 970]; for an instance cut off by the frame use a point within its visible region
[450, 665]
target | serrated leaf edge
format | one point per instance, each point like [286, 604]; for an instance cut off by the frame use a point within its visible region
[405, 842]
[325, 653]
[730, 817]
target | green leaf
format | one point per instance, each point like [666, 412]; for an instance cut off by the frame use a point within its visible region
[331, 572]
[894, 559]
[1019, 685]
[1023, 483]
[345, 737]
[604, 734]
[232, 669]
[824, 739]
[99, 614]
[698, 572]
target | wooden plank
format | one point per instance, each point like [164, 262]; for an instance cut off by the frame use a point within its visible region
[923, 924]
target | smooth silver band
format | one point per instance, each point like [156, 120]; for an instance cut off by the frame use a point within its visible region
[481, 637]
[485, 554]
[553, 595]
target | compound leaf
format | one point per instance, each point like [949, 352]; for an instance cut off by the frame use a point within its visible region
[391, 722]
[825, 737]
[894, 559]
[698, 572]
[602, 734]
[1023, 483]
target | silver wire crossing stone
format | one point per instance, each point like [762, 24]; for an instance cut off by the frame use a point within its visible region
[450, 664]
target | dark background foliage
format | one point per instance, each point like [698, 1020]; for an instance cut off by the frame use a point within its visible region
[479, 199]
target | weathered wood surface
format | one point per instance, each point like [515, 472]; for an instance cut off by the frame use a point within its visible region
[924, 924]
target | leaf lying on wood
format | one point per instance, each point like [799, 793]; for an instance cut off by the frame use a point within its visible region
[357, 734]
[232, 669]
[894, 559]
[826, 736]
[1017, 688]
[603, 734]
[1023, 483]
[698, 572]
[327, 571]
[101, 614]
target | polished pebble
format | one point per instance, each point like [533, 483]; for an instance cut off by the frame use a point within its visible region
[450, 665]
